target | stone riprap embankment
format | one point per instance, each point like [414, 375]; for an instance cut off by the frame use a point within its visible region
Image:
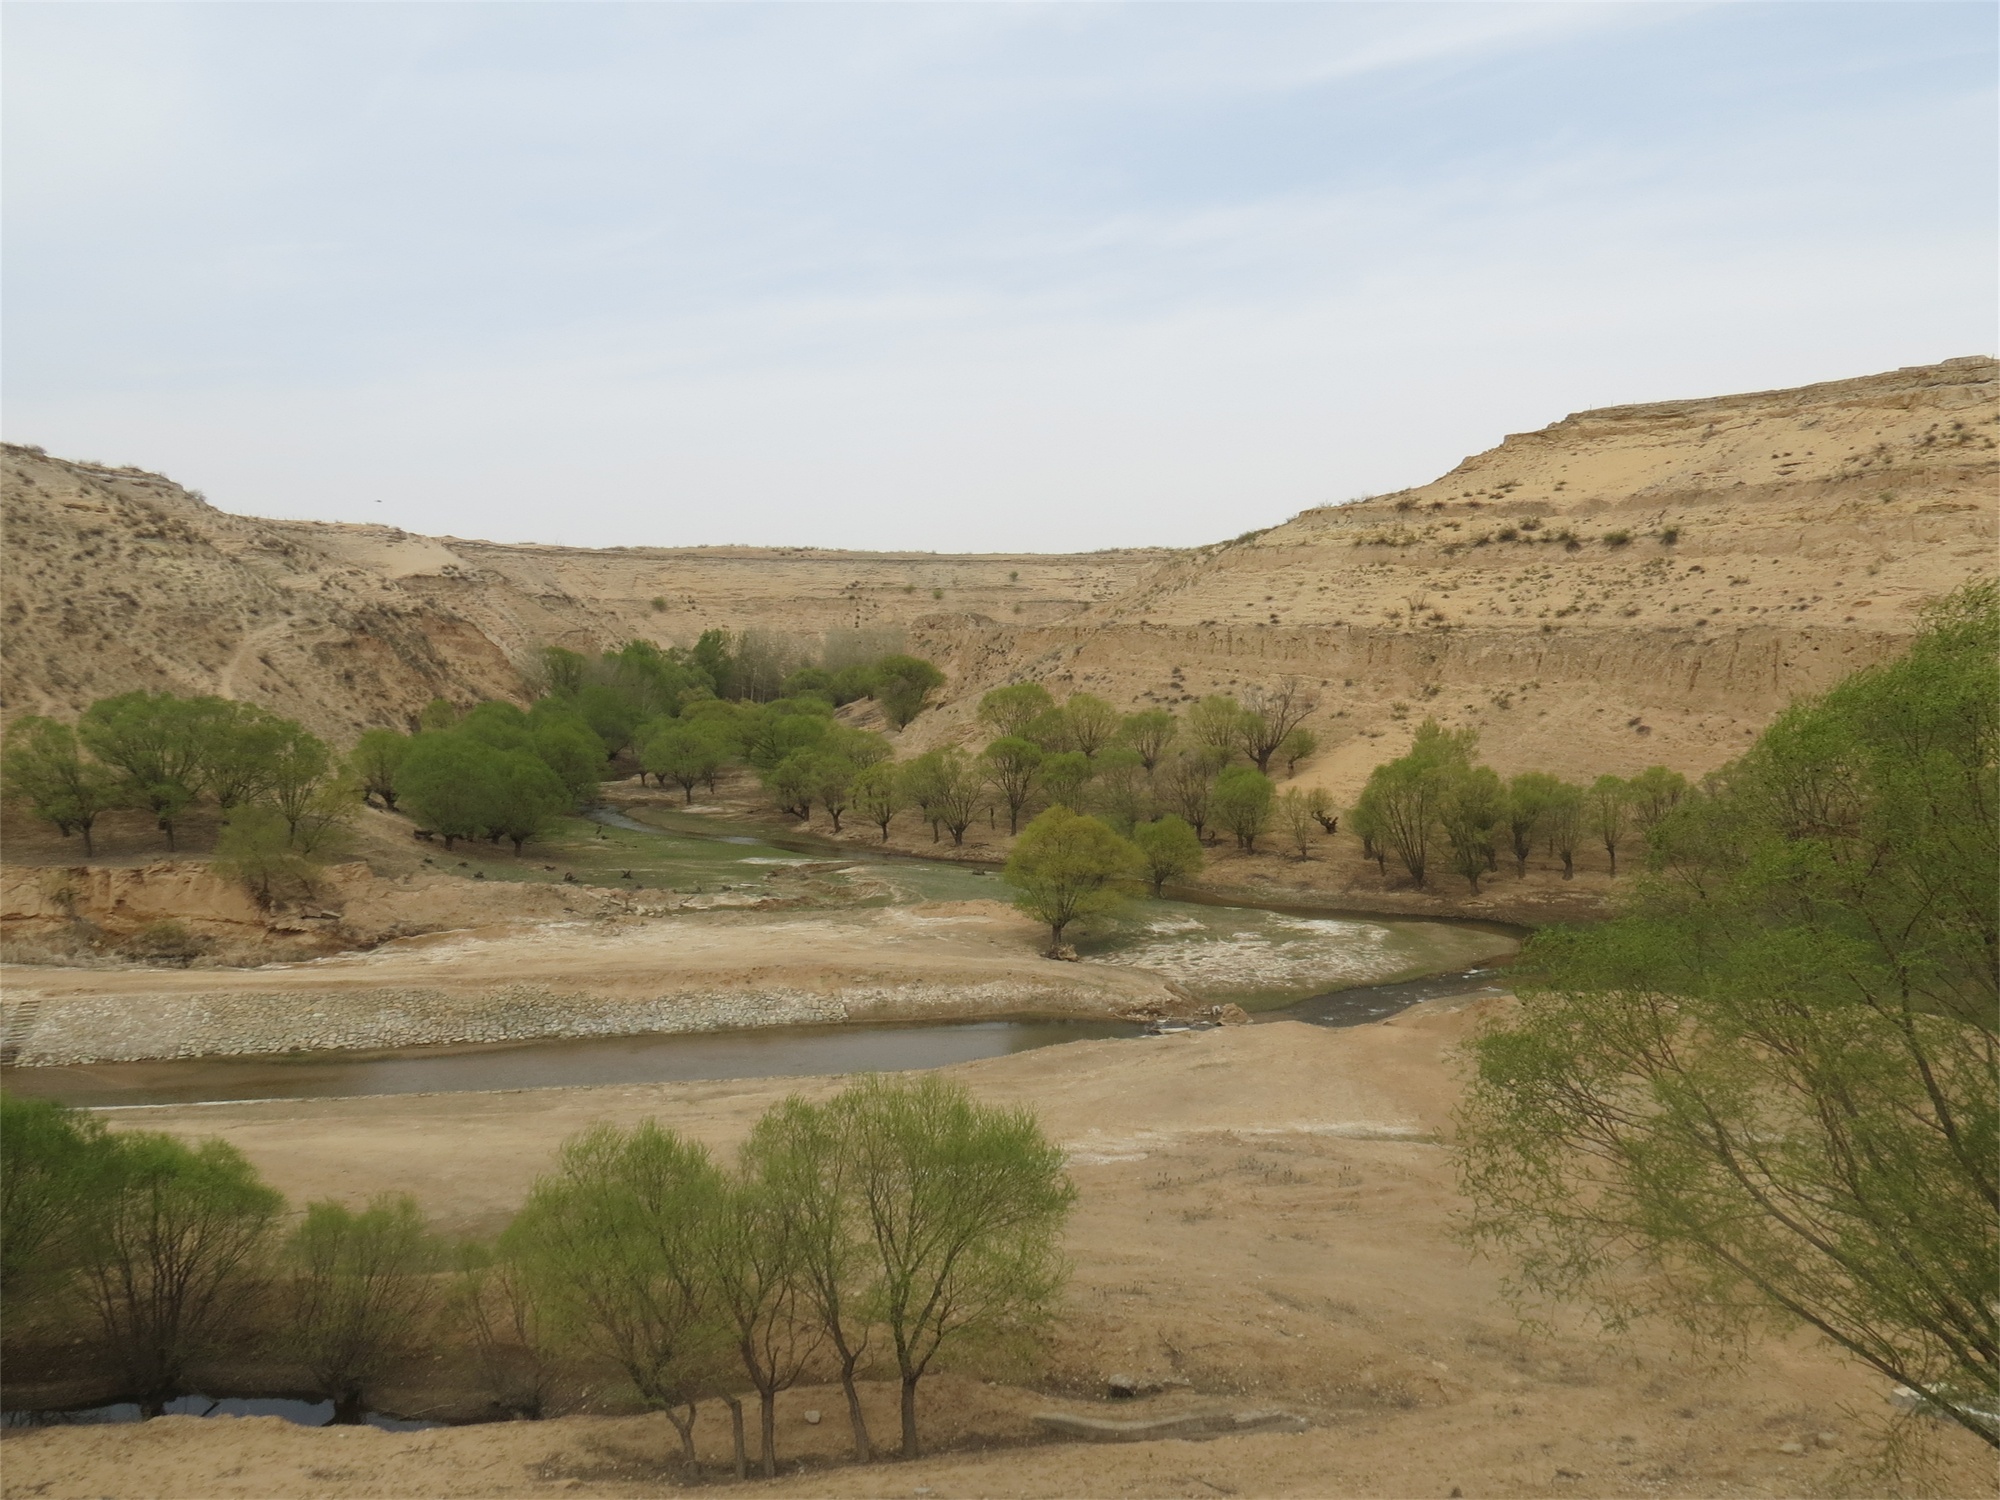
[135, 1026]
[710, 971]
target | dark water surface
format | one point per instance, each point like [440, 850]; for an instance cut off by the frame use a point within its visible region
[558, 1062]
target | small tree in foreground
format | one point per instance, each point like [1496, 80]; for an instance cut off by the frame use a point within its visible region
[52, 1163]
[802, 1154]
[617, 1245]
[1773, 1087]
[174, 1239]
[359, 1290]
[1066, 867]
[964, 1204]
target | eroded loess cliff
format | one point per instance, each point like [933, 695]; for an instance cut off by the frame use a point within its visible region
[1628, 586]
[1632, 585]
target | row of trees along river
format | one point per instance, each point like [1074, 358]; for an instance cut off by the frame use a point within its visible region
[852, 1239]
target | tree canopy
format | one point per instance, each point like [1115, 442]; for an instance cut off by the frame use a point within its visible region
[1770, 1086]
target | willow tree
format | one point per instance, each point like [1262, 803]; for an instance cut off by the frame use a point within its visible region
[1066, 867]
[1770, 1088]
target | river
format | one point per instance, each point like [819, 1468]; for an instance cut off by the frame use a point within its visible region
[1276, 960]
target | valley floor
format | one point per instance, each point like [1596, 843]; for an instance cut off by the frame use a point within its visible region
[1266, 1214]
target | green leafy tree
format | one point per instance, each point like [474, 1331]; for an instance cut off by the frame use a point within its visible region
[1563, 823]
[1655, 792]
[1406, 797]
[903, 684]
[1527, 812]
[255, 847]
[1473, 805]
[1065, 776]
[1010, 710]
[947, 784]
[1168, 850]
[441, 714]
[965, 1204]
[528, 798]
[1771, 1087]
[763, 1291]
[53, 1163]
[491, 1305]
[158, 741]
[378, 755]
[1608, 806]
[563, 673]
[571, 749]
[686, 754]
[503, 726]
[240, 746]
[618, 1243]
[832, 782]
[1365, 823]
[301, 771]
[802, 1155]
[1121, 790]
[1013, 766]
[174, 1245]
[791, 783]
[1067, 867]
[1243, 804]
[1295, 747]
[44, 768]
[1089, 723]
[877, 795]
[449, 782]
[1216, 723]
[1149, 733]
[1186, 785]
[358, 1292]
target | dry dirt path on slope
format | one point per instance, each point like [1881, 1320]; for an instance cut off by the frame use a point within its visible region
[1265, 1212]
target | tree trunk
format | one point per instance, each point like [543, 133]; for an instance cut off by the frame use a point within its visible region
[1569, 866]
[836, 819]
[736, 1432]
[684, 1425]
[864, 1450]
[1612, 850]
[910, 1416]
[88, 851]
[768, 1431]
[167, 827]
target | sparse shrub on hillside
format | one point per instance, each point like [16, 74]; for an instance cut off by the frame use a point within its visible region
[1617, 538]
[168, 942]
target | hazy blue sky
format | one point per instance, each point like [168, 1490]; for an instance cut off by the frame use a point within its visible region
[953, 276]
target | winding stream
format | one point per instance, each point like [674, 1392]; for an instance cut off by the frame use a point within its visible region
[1329, 968]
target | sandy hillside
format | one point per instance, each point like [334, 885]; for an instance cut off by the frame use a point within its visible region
[1806, 526]
[118, 579]
[1629, 586]
[1265, 1214]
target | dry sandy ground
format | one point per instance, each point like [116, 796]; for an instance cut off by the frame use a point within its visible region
[1265, 1213]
